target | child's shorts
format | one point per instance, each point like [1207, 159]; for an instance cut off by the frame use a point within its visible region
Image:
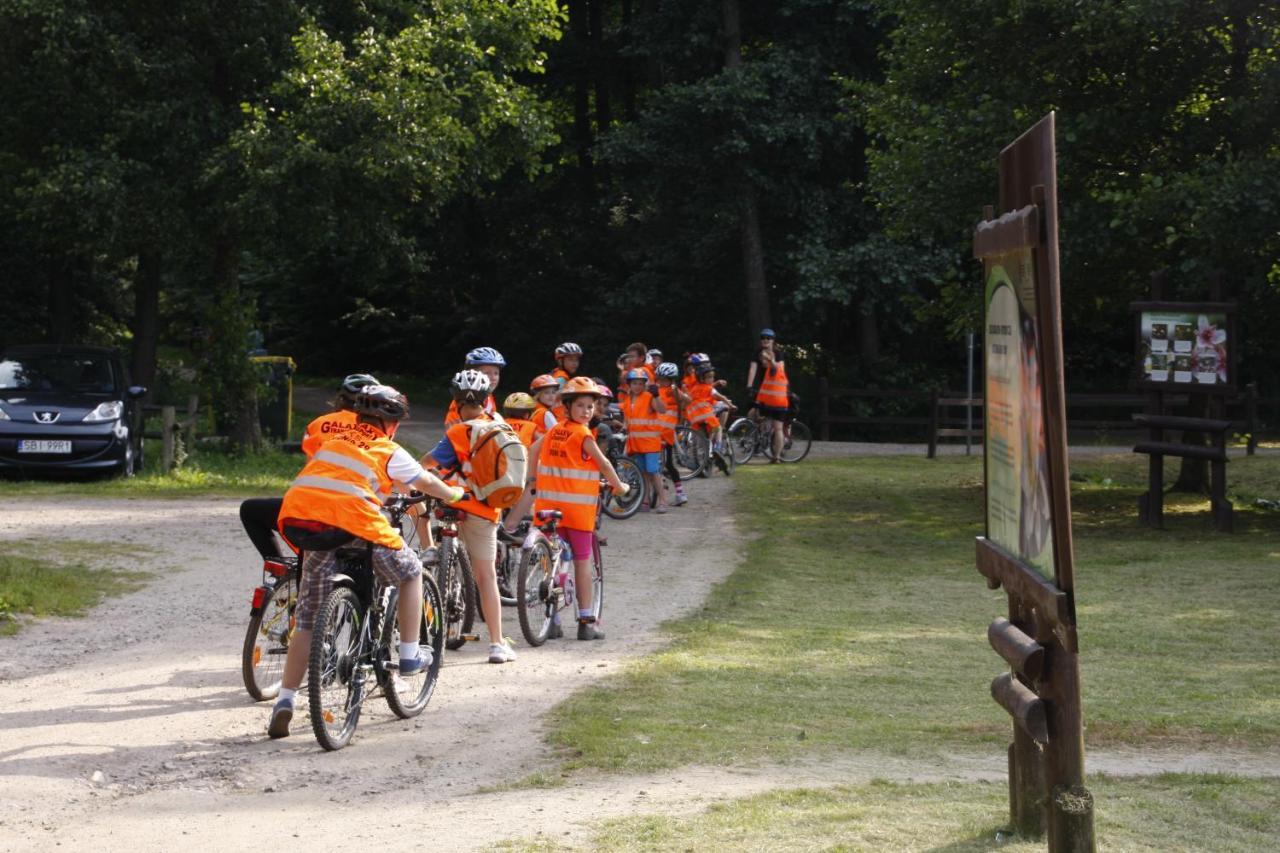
[580, 542]
[648, 462]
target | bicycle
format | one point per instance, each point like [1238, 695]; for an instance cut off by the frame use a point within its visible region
[749, 437]
[356, 638]
[545, 583]
[271, 624]
[615, 448]
[454, 577]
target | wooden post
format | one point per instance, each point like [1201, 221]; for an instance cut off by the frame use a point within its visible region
[189, 432]
[933, 423]
[824, 409]
[167, 423]
[1251, 416]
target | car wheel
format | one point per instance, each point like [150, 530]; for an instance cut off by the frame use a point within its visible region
[129, 466]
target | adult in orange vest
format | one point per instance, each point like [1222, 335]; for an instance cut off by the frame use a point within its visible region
[479, 528]
[490, 362]
[701, 412]
[641, 409]
[774, 399]
[570, 465]
[337, 497]
[259, 515]
[673, 398]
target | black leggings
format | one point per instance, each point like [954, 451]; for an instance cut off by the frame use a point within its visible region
[258, 515]
[669, 459]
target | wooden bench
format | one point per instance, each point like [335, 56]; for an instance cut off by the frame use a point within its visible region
[943, 424]
[1151, 505]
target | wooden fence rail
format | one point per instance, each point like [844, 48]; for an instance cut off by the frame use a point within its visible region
[946, 418]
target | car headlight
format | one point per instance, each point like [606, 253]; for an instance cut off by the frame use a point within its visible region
[105, 412]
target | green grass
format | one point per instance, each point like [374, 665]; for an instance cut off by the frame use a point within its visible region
[62, 579]
[1167, 813]
[206, 472]
[858, 622]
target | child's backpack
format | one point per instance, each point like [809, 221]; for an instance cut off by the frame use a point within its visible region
[499, 462]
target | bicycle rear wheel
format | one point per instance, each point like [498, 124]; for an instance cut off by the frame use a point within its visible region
[741, 440]
[692, 451]
[453, 578]
[597, 578]
[536, 602]
[508, 563]
[629, 473]
[407, 696]
[335, 681]
[266, 641]
[797, 445]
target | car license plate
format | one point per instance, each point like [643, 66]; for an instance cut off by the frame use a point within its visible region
[41, 446]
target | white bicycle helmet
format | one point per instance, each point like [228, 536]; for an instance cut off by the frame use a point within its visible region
[568, 348]
[485, 356]
[668, 370]
[470, 386]
[352, 386]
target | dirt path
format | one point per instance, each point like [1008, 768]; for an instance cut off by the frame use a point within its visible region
[147, 692]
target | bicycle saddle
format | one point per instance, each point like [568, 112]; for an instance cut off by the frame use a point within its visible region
[549, 514]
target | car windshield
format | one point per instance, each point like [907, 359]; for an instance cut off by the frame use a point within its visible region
[61, 372]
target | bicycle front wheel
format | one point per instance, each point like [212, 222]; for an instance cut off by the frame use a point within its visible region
[629, 473]
[692, 456]
[456, 593]
[741, 440]
[266, 642]
[335, 680]
[797, 443]
[535, 596]
[407, 696]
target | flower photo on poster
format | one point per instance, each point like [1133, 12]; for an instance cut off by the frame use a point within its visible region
[1184, 348]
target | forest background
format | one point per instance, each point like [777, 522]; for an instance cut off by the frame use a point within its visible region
[383, 185]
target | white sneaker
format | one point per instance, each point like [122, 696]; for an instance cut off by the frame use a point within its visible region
[501, 653]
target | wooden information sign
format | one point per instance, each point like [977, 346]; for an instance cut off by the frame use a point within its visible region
[1027, 548]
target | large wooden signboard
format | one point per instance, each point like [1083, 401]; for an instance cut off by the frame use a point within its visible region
[1028, 549]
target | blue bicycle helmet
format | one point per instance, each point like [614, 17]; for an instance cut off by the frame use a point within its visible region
[485, 355]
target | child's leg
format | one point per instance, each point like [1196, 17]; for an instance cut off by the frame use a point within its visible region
[481, 540]
[403, 570]
[521, 508]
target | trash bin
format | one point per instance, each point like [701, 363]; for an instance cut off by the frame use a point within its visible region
[275, 410]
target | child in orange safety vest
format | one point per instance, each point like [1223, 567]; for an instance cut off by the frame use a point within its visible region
[490, 362]
[641, 409]
[337, 497]
[548, 411]
[521, 413]
[568, 362]
[673, 399]
[701, 412]
[569, 467]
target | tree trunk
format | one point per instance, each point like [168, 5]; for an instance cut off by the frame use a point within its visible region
[868, 331]
[751, 238]
[237, 378]
[581, 93]
[628, 65]
[146, 319]
[61, 299]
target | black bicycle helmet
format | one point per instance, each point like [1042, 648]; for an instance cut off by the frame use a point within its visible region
[352, 386]
[382, 401]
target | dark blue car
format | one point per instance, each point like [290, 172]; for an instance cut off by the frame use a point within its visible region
[67, 409]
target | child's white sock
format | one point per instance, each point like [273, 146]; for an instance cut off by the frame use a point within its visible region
[287, 694]
[584, 614]
[408, 651]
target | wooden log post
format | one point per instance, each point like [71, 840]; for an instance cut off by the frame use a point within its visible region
[189, 426]
[824, 409]
[168, 422]
[933, 424]
[1251, 416]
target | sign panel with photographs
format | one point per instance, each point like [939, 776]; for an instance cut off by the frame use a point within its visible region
[1019, 515]
[1184, 348]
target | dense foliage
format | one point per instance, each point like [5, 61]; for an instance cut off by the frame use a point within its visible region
[382, 185]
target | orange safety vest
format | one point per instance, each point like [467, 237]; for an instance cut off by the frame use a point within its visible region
[561, 375]
[671, 417]
[326, 427]
[539, 418]
[644, 429]
[459, 436]
[568, 479]
[526, 429]
[344, 485]
[689, 380]
[452, 417]
[773, 387]
[701, 410]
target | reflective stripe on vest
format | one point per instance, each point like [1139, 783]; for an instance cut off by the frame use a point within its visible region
[773, 388]
[331, 485]
[350, 464]
[567, 497]
[568, 473]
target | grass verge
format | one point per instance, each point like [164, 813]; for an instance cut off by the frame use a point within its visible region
[1166, 813]
[64, 579]
[857, 621]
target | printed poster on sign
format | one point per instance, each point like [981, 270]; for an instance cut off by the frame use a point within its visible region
[1184, 348]
[1018, 511]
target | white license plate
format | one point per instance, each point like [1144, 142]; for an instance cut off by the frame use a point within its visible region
[38, 446]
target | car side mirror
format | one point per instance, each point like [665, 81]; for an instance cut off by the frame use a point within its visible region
[136, 392]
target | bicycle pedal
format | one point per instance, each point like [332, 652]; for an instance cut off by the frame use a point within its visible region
[471, 638]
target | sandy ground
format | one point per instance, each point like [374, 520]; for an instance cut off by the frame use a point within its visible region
[147, 693]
